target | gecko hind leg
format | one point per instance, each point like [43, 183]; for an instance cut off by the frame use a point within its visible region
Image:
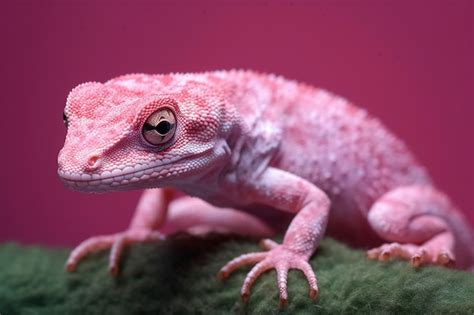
[199, 217]
[413, 218]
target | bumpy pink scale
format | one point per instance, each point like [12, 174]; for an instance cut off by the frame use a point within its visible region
[252, 146]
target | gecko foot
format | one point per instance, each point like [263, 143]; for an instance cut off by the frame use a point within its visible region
[416, 254]
[279, 257]
[116, 242]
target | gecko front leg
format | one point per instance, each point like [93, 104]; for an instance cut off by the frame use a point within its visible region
[158, 214]
[291, 193]
[150, 213]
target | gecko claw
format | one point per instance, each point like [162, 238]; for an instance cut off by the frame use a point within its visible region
[283, 303]
[115, 242]
[313, 294]
[417, 255]
[245, 297]
[113, 270]
[70, 267]
[280, 258]
[385, 255]
[416, 261]
[221, 275]
[419, 258]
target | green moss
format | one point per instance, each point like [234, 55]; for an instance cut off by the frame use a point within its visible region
[179, 276]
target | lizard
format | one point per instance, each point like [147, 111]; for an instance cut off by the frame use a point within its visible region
[231, 150]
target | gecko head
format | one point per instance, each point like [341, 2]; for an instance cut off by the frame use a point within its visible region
[119, 138]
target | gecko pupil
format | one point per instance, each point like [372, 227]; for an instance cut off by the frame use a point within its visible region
[163, 127]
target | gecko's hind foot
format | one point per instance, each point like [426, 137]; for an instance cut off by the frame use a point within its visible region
[418, 255]
[278, 257]
[116, 242]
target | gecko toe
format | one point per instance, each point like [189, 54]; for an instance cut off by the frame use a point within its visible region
[310, 277]
[417, 255]
[114, 242]
[256, 271]
[267, 244]
[373, 254]
[385, 255]
[239, 261]
[70, 267]
[419, 258]
[446, 259]
[282, 280]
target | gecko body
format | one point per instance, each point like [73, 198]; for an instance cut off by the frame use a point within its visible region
[250, 146]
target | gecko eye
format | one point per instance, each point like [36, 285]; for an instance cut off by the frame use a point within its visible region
[159, 127]
[65, 120]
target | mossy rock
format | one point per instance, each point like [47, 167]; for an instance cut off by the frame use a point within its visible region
[178, 276]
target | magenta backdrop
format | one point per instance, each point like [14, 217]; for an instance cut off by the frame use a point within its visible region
[408, 62]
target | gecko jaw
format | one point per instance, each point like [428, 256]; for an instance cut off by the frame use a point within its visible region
[118, 178]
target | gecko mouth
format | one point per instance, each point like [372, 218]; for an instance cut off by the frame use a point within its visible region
[112, 180]
[132, 177]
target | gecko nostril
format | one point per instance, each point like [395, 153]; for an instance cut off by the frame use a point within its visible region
[93, 162]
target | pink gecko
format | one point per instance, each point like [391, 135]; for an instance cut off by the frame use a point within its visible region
[251, 146]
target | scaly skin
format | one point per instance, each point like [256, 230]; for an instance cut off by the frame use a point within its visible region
[249, 145]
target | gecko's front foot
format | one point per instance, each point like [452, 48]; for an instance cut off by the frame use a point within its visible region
[116, 242]
[279, 257]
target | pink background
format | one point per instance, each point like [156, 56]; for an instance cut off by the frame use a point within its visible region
[408, 62]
